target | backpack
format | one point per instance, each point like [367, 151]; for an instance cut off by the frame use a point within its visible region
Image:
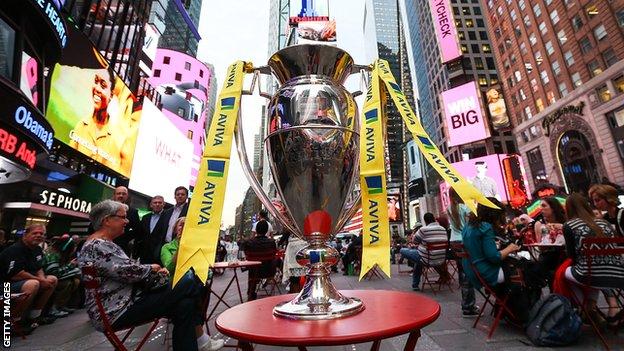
[553, 322]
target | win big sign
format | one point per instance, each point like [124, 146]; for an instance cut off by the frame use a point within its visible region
[464, 116]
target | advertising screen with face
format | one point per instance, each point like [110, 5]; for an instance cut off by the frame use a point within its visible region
[464, 116]
[163, 155]
[91, 109]
[497, 110]
[394, 208]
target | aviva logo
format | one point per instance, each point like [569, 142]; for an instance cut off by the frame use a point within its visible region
[373, 183]
[426, 142]
[228, 103]
[216, 168]
[395, 87]
[371, 116]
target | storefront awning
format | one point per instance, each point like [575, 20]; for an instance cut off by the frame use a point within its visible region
[41, 207]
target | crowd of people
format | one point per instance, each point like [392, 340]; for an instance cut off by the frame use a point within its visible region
[134, 259]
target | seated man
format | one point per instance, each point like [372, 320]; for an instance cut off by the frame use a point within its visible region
[264, 249]
[417, 251]
[351, 254]
[21, 265]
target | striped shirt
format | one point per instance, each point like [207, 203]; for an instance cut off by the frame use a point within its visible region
[606, 271]
[431, 233]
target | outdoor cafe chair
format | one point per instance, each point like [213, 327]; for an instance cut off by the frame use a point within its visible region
[91, 282]
[427, 268]
[267, 278]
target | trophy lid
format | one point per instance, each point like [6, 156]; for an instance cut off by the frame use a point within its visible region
[311, 59]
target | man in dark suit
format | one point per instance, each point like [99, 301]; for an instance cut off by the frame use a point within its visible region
[152, 225]
[168, 218]
[132, 230]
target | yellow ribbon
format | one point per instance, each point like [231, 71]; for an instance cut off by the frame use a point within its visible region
[203, 221]
[464, 189]
[375, 226]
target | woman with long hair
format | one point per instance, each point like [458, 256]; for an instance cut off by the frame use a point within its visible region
[553, 216]
[606, 272]
[457, 214]
[605, 198]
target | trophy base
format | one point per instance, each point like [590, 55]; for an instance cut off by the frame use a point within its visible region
[301, 310]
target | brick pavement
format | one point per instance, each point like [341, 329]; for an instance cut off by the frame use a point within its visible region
[449, 332]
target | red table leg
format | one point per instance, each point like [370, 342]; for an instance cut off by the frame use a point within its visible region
[410, 345]
[220, 297]
[245, 346]
[240, 295]
[375, 346]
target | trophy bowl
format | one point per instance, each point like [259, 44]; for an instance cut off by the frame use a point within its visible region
[313, 153]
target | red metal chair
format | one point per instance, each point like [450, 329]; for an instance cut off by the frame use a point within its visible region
[265, 279]
[593, 249]
[441, 246]
[498, 302]
[91, 282]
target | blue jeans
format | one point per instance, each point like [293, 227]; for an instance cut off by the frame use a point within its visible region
[181, 304]
[414, 256]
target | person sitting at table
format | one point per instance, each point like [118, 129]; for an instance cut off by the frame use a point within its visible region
[606, 272]
[169, 251]
[266, 247]
[605, 198]
[133, 293]
[478, 237]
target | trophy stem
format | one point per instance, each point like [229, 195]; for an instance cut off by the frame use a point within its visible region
[319, 298]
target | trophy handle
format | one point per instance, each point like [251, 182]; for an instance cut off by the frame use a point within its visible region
[253, 181]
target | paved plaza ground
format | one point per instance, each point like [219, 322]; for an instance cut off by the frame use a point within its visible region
[449, 332]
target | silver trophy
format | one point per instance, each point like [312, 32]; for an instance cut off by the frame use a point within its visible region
[313, 150]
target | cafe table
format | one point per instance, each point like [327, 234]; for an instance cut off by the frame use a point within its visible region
[534, 247]
[387, 314]
[235, 267]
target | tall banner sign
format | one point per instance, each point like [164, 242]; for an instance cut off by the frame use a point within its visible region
[464, 116]
[445, 30]
[203, 221]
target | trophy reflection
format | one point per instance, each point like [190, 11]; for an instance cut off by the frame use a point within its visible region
[313, 150]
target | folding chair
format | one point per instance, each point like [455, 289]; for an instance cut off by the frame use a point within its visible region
[427, 268]
[91, 282]
[267, 278]
[593, 249]
[499, 303]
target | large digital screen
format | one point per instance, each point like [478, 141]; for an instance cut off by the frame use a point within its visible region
[445, 29]
[163, 155]
[497, 109]
[464, 116]
[316, 31]
[395, 214]
[91, 109]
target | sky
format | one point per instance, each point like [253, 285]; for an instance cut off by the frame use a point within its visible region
[238, 30]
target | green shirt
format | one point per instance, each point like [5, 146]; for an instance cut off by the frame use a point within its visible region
[167, 253]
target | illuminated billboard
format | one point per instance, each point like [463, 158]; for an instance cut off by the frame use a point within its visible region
[497, 109]
[163, 155]
[91, 109]
[464, 116]
[395, 213]
[500, 176]
[308, 10]
[311, 32]
[445, 30]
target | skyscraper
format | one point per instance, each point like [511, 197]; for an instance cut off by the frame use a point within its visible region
[181, 18]
[561, 65]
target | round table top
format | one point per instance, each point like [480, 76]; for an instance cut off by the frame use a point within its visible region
[386, 314]
[236, 264]
[544, 245]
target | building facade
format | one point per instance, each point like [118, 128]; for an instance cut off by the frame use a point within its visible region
[181, 19]
[561, 67]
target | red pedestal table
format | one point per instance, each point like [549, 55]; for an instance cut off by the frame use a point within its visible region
[387, 314]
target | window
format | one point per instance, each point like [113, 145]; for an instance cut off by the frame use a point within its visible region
[478, 63]
[527, 21]
[469, 23]
[544, 76]
[527, 112]
[490, 63]
[475, 48]
[539, 104]
[464, 48]
[521, 5]
[483, 35]
[476, 10]
[569, 58]
[619, 83]
[472, 35]
[577, 22]
[600, 32]
[585, 45]
[201, 73]
[187, 66]
[181, 112]
[536, 165]
[156, 73]
[528, 66]
[538, 57]
[513, 15]
[178, 77]
[563, 89]
[486, 48]
[7, 38]
[466, 10]
[548, 2]
[523, 48]
[461, 35]
[594, 68]
[568, 3]
[609, 57]
[549, 48]
[551, 97]
[534, 85]
[532, 39]
[554, 16]
[522, 95]
[518, 76]
[555, 68]
[480, 23]
[537, 10]
[166, 60]
[562, 37]
[620, 17]
[592, 11]
[603, 93]
[482, 80]
[576, 80]
[542, 28]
